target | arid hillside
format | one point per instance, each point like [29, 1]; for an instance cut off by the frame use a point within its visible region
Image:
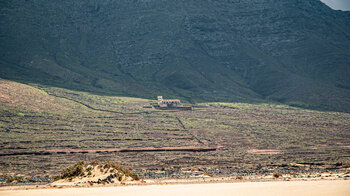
[46, 129]
[294, 52]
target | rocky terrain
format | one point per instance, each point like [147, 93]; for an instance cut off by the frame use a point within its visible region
[44, 130]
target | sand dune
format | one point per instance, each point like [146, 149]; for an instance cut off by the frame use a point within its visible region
[300, 188]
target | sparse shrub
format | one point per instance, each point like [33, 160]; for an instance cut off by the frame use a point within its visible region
[207, 174]
[125, 170]
[73, 171]
[134, 176]
[10, 179]
[277, 175]
[19, 179]
[239, 178]
[108, 164]
[59, 177]
[95, 163]
[30, 179]
[114, 165]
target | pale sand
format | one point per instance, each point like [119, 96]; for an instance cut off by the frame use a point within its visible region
[285, 188]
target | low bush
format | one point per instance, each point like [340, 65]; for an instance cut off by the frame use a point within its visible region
[10, 179]
[239, 178]
[210, 175]
[134, 176]
[13, 179]
[73, 171]
[277, 175]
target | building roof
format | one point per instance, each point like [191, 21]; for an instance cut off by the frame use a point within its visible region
[171, 100]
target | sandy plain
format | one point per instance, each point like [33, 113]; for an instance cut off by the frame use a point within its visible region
[286, 188]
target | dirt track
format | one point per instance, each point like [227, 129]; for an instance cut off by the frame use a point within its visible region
[300, 188]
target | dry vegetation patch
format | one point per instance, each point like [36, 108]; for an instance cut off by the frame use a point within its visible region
[95, 172]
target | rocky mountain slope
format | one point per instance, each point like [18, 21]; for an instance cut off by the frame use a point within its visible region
[290, 51]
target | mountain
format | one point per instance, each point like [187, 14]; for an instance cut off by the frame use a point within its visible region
[290, 51]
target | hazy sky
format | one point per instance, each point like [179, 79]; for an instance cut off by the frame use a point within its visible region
[338, 4]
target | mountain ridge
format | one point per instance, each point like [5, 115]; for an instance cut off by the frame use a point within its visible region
[293, 52]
